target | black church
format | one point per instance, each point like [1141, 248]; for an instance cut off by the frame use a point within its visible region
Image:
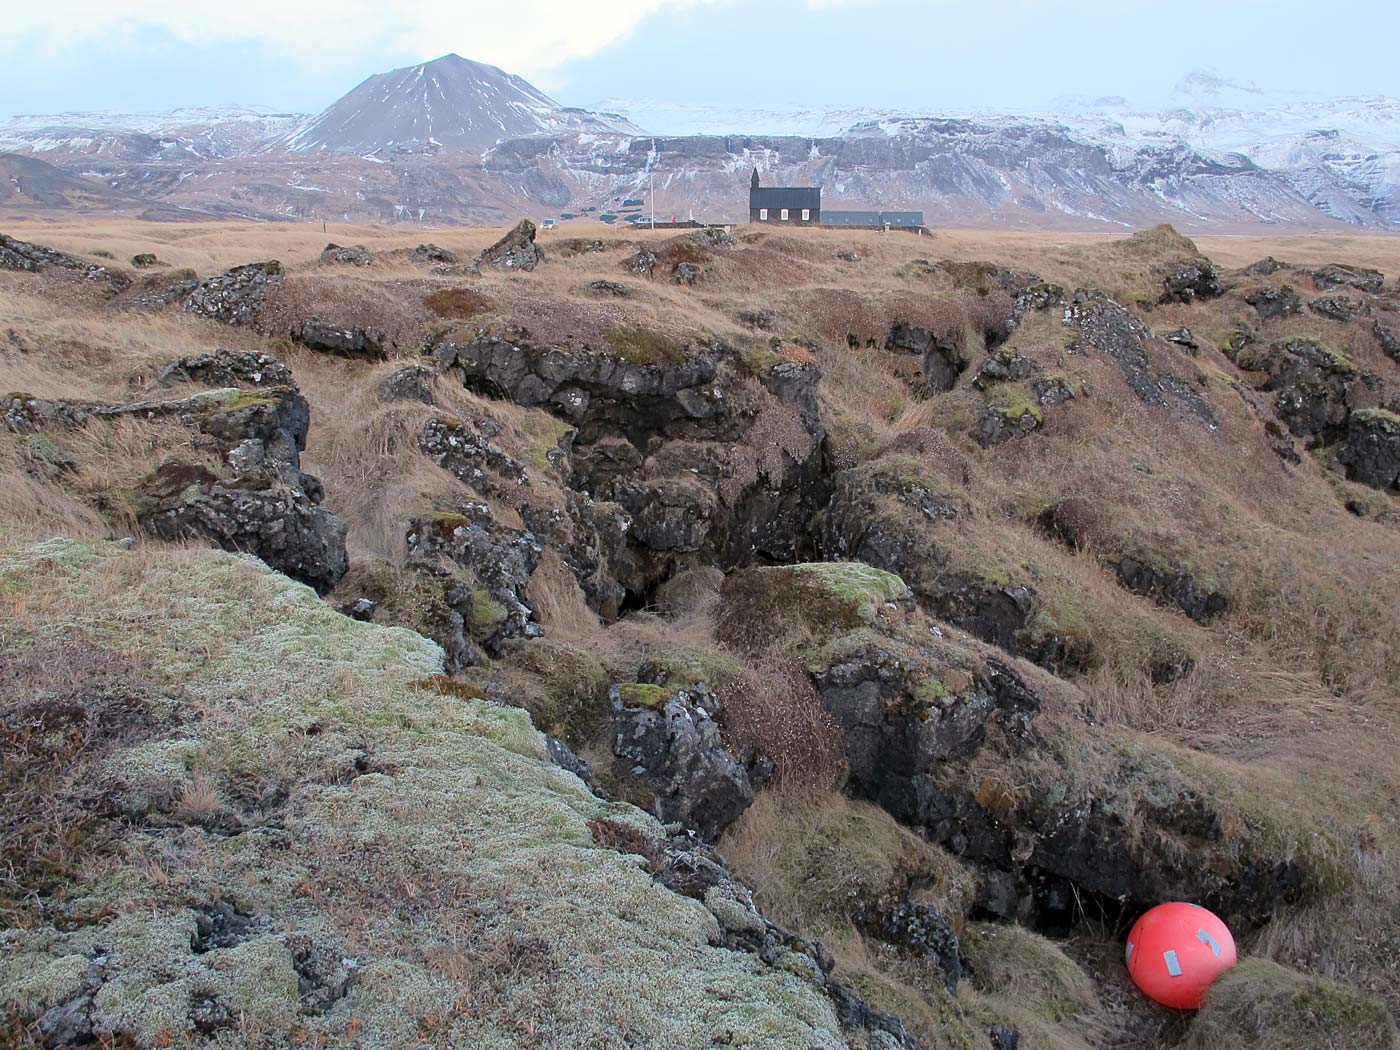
[795, 205]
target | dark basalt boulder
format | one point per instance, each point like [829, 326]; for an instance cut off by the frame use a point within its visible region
[1389, 337]
[1184, 338]
[24, 257]
[466, 451]
[614, 289]
[598, 392]
[1170, 586]
[673, 515]
[352, 255]
[672, 740]
[642, 263]
[227, 368]
[1006, 422]
[687, 273]
[1338, 308]
[432, 253]
[498, 560]
[1313, 385]
[1052, 390]
[1336, 275]
[1271, 303]
[1102, 325]
[1191, 280]
[1371, 452]
[919, 928]
[1002, 367]
[144, 260]
[941, 358]
[410, 383]
[236, 296]
[1266, 267]
[357, 342]
[251, 511]
[517, 250]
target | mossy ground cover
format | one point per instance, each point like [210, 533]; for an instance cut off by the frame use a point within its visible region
[419, 840]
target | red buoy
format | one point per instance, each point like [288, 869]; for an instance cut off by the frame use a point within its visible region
[1176, 951]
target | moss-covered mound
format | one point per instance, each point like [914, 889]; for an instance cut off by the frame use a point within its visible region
[282, 835]
[1260, 1004]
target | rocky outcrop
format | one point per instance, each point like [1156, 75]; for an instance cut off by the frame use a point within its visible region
[258, 499]
[497, 561]
[941, 357]
[1371, 450]
[671, 739]
[1388, 335]
[517, 250]
[250, 511]
[467, 452]
[409, 383]
[25, 257]
[432, 253]
[611, 289]
[144, 260]
[1170, 586]
[687, 273]
[1336, 275]
[1102, 325]
[1312, 385]
[709, 460]
[1338, 308]
[1272, 303]
[642, 263]
[888, 515]
[1190, 280]
[357, 342]
[236, 296]
[1002, 367]
[1184, 338]
[1007, 420]
[353, 255]
[227, 368]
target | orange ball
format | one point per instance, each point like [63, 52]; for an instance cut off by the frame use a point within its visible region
[1176, 951]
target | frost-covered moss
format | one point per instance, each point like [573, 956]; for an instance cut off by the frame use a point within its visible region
[410, 859]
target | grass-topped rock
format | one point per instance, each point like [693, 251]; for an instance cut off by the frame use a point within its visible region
[816, 600]
[1260, 1005]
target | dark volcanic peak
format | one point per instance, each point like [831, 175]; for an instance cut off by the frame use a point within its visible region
[450, 103]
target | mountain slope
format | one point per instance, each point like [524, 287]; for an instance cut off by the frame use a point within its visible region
[450, 103]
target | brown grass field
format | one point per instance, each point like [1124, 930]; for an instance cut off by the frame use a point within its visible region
[1289, 706]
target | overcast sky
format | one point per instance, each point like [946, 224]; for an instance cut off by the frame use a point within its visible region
[919, 55]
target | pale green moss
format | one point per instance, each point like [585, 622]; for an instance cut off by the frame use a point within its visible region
[637, 694]
[1376, 415]
[867, 587]
[425, 838]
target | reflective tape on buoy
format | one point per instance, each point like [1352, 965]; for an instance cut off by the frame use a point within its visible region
[1173, 967]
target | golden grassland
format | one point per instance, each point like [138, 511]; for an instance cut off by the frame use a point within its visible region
[1296, 685]
[216, 245]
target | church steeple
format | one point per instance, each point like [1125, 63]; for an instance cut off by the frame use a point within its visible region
[754, 184]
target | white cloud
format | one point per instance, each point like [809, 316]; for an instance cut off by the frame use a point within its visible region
[526, 36]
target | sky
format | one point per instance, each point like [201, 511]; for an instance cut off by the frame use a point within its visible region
[916, 55]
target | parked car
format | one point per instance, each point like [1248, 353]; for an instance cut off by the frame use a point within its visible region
[548, 224]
